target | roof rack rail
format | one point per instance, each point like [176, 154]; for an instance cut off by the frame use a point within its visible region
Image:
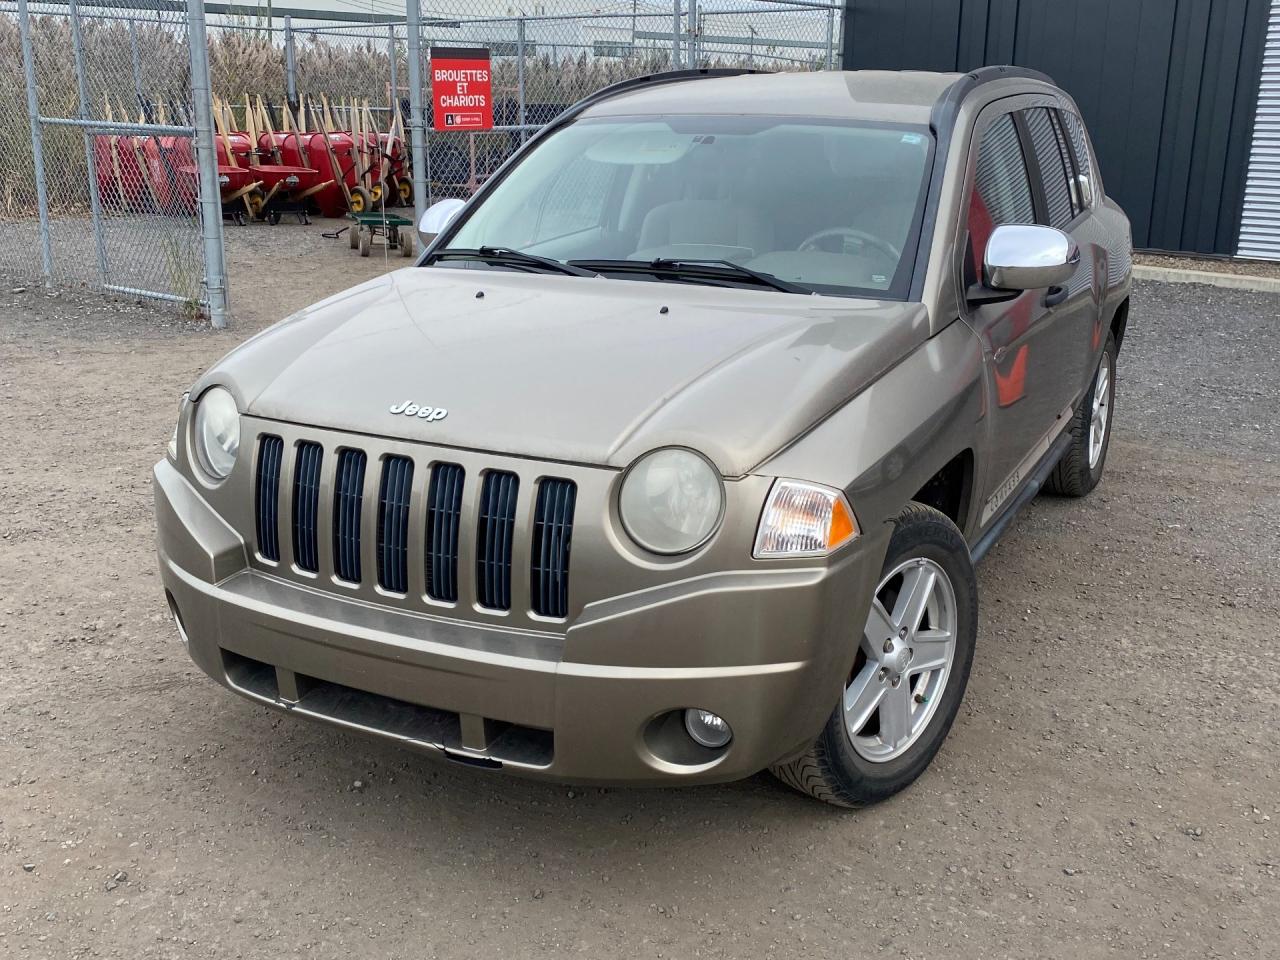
[949, 102]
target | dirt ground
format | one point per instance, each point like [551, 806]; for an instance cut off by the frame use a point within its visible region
[1111, 787]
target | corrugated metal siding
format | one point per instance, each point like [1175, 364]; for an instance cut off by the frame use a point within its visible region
[1166, 87]
[1260, 220]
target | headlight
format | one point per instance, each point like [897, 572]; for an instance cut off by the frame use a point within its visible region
[671, 501]
[803, 520]
[217, 432]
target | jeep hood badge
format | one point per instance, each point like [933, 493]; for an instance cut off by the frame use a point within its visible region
[421, 411]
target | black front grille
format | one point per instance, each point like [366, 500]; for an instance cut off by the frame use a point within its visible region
[444, 520]
[393, 524]
[348, 498]
[306, 506]
[552, 532]
[267, 495]
[494, 536]
[469, 533]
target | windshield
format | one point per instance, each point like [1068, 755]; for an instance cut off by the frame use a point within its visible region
[830, 207]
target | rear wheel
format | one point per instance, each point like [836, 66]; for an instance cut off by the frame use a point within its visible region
[366, 242]
[405, 191]
[406, 242]
[909, 671]
[353, 236]
[1080, 468]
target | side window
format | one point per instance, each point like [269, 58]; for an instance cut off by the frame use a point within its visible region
[1054, 166]
[1080, 143]
[575, 199]
[1001, 190]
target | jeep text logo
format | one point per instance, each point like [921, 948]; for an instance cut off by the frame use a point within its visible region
[422, 412]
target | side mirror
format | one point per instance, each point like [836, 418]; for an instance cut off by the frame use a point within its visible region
[1024, 256]
[437, 216]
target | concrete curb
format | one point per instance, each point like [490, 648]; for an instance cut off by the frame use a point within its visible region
[1235, 281]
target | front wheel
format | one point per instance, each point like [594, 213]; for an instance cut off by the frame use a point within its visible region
[909, 671]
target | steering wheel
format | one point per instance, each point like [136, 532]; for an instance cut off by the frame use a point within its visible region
[861, 237]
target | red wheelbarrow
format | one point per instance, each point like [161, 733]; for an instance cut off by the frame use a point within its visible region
[284, 187]
[234, 185]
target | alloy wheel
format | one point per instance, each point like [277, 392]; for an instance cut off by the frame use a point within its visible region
[1101, 412]
[903, 661]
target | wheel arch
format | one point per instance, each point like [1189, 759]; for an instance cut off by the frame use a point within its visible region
[1120, 322]
[950, 489]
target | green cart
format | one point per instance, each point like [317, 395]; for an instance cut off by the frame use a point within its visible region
[396, 232]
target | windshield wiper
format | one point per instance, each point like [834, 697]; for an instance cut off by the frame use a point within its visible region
[512, 256]
[695, 268]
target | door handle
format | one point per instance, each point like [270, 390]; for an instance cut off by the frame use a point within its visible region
[1055, 295]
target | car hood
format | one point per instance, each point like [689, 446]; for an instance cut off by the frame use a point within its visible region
[585, 370]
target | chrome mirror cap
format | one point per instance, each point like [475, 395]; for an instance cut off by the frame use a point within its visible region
[437, 216]
[1024, 256]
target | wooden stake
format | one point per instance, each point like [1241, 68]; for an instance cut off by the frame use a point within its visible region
[270, 133]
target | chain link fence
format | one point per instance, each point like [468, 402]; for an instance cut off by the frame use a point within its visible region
[102, 188]
[106, 183]
[542, 63]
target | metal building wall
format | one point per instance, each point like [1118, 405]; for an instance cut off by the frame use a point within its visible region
[1167, 87]
[1260, 223]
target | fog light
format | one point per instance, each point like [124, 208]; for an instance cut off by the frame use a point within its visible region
[706, 728]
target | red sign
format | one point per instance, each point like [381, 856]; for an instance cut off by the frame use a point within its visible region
[461, 95]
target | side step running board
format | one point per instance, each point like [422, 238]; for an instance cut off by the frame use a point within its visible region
[1028, 492]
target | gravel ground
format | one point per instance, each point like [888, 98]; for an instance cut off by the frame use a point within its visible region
[1110, 787]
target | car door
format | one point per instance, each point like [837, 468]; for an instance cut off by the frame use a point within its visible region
[1076, 314]
[1020, 343]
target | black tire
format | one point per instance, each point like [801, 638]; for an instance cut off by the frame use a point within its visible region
[406, 242]
[366, 242]
[1074, 476]
[353, 236]
[361, 201]
[830, 769]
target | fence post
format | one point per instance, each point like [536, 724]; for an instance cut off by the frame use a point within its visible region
[37, 144]
[693, 34]
[831, 38]
[137, 64]
[215, 271]
[82, 90]
[675, 34]
[524, 134]
[290, 66]
[395, 93]
[417, 136]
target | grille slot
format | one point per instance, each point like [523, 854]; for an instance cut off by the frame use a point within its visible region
[347, 501]
[393, 524]
[306, 506]
[267, 494]
[494, 536]
[444, 516]
[552, 533]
